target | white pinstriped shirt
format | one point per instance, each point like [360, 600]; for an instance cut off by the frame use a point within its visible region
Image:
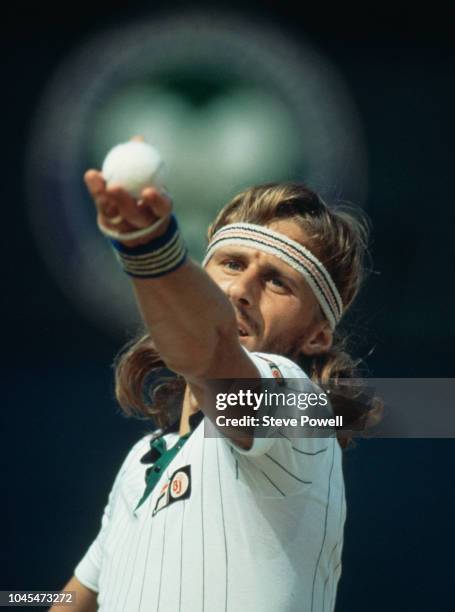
[258, 530]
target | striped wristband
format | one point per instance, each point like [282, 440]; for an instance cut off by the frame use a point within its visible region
[160, 256]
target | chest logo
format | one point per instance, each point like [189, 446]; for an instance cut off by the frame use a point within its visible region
[178, 487]
[179, 484]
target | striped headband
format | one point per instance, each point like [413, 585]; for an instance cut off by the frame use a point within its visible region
[291, 252]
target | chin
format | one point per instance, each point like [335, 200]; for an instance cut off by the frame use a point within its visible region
[250, 343]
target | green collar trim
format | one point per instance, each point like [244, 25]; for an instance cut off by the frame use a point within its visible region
[155, 471]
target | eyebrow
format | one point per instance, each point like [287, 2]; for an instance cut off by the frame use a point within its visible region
[242, 256]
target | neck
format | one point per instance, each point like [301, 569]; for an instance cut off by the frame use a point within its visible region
[190, 406]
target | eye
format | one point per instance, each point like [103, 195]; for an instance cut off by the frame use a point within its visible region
[278, 284]
[232, 264]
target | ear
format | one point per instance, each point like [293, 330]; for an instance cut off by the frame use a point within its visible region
[318, 339]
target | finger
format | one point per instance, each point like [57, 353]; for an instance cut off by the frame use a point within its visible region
[157, 201]
[96, 186]
[105, 205]
[108, 208]
[122, 226]
[138, 138]
[129, 209]
[95, 182]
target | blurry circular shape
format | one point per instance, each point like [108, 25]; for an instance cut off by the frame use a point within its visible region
[226, 103]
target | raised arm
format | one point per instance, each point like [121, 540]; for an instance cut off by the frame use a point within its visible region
[190, 319]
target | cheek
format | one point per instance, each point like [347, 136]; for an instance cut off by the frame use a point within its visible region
[217, 276]
[282, 315]
[223, 283]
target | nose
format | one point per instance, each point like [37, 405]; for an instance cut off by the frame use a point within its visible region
[244, 288]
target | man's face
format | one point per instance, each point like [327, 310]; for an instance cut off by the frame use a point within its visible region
[274, 306]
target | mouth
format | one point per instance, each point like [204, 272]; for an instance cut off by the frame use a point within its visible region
[243, 329]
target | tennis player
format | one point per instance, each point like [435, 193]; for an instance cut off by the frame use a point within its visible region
[204, 523]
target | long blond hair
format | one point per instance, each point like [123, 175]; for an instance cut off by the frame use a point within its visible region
[338, 236]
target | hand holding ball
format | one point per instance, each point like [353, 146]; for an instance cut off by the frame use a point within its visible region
[128, 213]
[134, 165]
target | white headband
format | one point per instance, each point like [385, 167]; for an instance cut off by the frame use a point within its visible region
[291, 252]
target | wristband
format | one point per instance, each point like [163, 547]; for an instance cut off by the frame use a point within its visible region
[156, 258]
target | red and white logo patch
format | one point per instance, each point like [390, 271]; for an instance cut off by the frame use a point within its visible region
[177, 488]
[179, 484]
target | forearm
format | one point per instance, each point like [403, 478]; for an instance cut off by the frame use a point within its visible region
[189, 319]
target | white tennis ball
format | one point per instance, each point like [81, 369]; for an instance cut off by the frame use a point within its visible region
[134, 165]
